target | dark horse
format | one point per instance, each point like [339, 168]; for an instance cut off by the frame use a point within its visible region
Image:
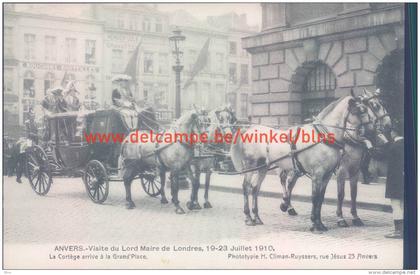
[221, 121]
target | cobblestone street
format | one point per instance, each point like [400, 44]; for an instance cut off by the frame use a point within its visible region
[67, 216]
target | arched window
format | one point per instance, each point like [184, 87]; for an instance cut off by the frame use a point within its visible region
[319, 87]
[49, 80]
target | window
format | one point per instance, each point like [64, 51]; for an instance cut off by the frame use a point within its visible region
[71, 50]
[232, 73]
[320, 80]
[120, 21]
[243, 105]
[146, 25]
[244, 73]
[133, 23]
[191, 98]
[48, 82]
[117, 56]
[29, 46]
[163, 63]
[161, 97]
[90, 52]
[148, 63]
[192, 57]
[232, 48]
[8, 41]
[207, 68]
[203, 96]
[29, 84]
[219, 97]
[50, 48]
[159, 27]
[8, 81]
[90, 87]
[148, 93]
[220, 63]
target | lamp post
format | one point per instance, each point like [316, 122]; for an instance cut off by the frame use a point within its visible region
[176, 39]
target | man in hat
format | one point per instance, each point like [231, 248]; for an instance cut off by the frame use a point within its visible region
[54, 102]
[72, 101]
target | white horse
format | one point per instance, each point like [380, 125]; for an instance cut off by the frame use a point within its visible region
[319, 160]
[165, 156]
[354, 150]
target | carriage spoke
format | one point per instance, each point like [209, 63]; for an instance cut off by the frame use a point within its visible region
[150, 183]
[157, 187]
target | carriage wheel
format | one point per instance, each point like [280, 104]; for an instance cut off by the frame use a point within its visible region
[37, 170]
[96, 181]
[151, 184]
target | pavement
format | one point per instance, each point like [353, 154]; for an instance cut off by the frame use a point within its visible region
[369, 196]
[36, 228]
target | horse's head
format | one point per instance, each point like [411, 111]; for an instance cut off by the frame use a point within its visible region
[224, 121]
[382, 119]
[202, 120]
[193, 121]
[360, 116]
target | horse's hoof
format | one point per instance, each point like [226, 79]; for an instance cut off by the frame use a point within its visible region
[18, 180]
[130, 205]
[283, 207]
[357, 222]
[163, 201]
[196, 206]
[190, 205]
[342, 223]
[207, 204]
[318, 227]
[315, 229]
[250, 222]
[258, 221]
[179, 210]
[292, 212]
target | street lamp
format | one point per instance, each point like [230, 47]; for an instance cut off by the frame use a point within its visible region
[176, 39]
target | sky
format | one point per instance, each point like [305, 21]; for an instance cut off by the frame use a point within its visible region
[202, 10]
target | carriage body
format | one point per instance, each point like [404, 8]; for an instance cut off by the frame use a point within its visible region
[85, 144]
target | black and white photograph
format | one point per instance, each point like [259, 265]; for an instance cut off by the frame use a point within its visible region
[237, 135]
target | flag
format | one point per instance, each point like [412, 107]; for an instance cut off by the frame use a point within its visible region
[63, 81]
[200, 63]
[131, 68]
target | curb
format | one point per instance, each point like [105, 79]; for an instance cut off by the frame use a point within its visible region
[308, 199]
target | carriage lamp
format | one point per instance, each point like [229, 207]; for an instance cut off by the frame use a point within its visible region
[176, 40]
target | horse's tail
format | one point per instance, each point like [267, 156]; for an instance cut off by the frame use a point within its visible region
[237, 155]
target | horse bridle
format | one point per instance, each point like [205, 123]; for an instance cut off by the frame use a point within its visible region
[228, 125]
[377, 117]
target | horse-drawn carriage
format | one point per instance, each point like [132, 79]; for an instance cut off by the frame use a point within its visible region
[67, 151]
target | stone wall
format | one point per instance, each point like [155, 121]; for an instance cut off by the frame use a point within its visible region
[279, 70]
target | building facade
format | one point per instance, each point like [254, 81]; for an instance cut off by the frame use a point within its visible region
[38, 57]
[125, 28]
[46, 46]
[238, 59]
[310, 54]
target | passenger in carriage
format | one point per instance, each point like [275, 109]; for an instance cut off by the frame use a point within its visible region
[54, 101]
[121, 94]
